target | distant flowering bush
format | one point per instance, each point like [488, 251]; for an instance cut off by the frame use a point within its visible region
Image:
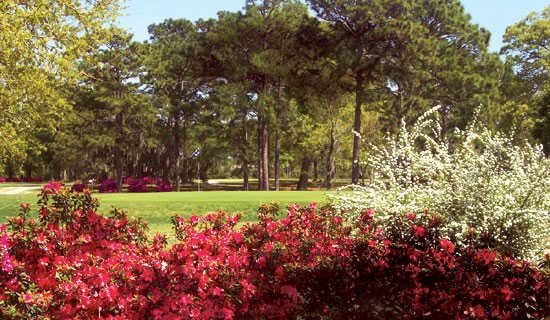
[79, 187]
[164, 187]
[145, 180]
[3, 179]
[480, 181]
[129, 180]
[108, 186]
[74, 263]
[150, 180]
[137, 185]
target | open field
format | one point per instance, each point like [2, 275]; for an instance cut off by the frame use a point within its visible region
[157, 208]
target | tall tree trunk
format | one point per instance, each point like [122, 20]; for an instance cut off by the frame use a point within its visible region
[304, 173]
[177, 152]
[246, 183]
[244, 155]
[185, 173]
[177, 170]
[264, 156]
[203, 173]
[355, 169]
[330, 159]
[277, 158]
[315, 169]
[177, 164]
[118, 152]
[165, 163]
[259, 162]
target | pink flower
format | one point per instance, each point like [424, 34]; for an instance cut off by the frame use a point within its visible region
[7, 264]
[27, 298]
[217, 291]
[194, 220]
[370, 213]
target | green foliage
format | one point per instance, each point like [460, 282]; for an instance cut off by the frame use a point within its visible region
[526, 45]
[411, 55]
[111, 117]
[272, 91]
[40, 44]
[527, 53]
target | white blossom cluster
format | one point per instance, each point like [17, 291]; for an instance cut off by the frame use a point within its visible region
[477, 179]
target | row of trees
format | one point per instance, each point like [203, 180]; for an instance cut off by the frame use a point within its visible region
[274, 91]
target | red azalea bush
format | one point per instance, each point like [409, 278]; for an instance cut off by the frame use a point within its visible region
[108, 186]
[145, 180]
[79, 187]
[137, 185]
[149, 180]
[164, 187]
[74, 263]
[2, 179]
[53, 187]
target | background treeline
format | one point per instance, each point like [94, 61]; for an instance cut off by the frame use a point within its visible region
[280, 89]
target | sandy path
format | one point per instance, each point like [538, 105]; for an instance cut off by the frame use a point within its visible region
[17, 190]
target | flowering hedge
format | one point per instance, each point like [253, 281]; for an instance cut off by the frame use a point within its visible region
[164, 187]
[137, 185]
[108, 186]
[79, 187]
[74, 263]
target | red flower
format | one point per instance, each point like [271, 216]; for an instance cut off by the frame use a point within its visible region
[419, 232]
[447, 245]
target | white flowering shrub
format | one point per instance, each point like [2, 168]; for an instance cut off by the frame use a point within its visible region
[481, 182]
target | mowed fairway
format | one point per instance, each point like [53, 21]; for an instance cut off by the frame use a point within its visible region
[157, 208]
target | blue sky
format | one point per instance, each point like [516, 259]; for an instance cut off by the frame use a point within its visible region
[494, 15]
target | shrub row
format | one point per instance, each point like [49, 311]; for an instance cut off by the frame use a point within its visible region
[135, 185]
[74, 263]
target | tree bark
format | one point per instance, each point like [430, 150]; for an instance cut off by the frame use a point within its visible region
[330, 159]
[315, 169]
[355, 169]
[264, 156]
[277, 158]
[165, 162]
[259, 162]
[177, 164]
[118, 152]
[185, 175]
[304, 173]
[244, 155]
[203, 173]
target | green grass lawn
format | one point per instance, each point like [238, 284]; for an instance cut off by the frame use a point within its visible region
[157, 208]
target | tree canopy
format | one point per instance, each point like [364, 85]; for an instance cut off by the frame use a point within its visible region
[280, 89]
